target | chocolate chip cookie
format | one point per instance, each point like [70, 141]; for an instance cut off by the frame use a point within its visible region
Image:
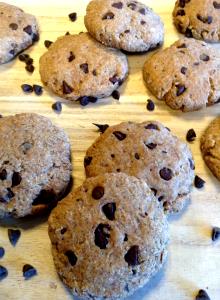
[198, 19]
[186, 75]
[35, 167]
[210, 147]
[109, 237]
[77, 66]
[18, 31]
[124, 24]
[148, 151]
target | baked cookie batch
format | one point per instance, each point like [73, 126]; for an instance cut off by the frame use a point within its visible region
[110, 235]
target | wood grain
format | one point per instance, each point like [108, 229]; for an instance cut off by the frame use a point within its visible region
[194, 260]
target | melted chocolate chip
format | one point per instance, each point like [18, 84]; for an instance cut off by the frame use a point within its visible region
[204, 57]
[166, 174]
[202, 295]
[67, 89]
[47, 43]
[216, 4]
[85, 68]
[47, 197]
[38, 90]
[132, 256]
[13, 26]
[2, 252]
[16, 179]
[28, 271]
[87, 161]
[180, 89]
[117, 5]
[152, 126]
[102, 127]
[116, 95]
[109, 210]
[73, 16]
[3, 174]
[199, 182]
[71, 56]
[119, 135]
[150, 105]
[14, 236]
[57, 106]
[102, 235]
[183, 70]
[71, 257]
[3, 272]
[98, 192]
[151, 146]
[191, 135]
[215, 233]
[28, 29]
[108, 16]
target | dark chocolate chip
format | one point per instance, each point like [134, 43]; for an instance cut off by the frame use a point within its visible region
[27, 88]
[125, 237]
[160, 198]
[47, 43]
[132, 256]
[28, 29]
[102, 235]
[180, 12]
[182, 3]
[183, 70]
[87, 161]
[84, 101]
[216, 5]
[205, 20]
[209, 19]
[109, 210]
[35, 37]
[204, 57]
[118, 5]
[114, 79]
[215, 233]
[14, 235]
[13, 26]
[38, 89]
[12, 52]
[98, 192]
[166, 174]
[151, 146]
[45, 197]
[57, 106]
[28, 271]
[71, 257]
[143, 22]
[30, 68]
[3, 272]
[92, 99]
[73, 16]
[199, 182]
[116, 95]
[67, 33]
[108, 16]
[2, 252]
[85, 68]
[152, 126]
[188, 33]
[137, 156]
[3, 174]
[63, 230]
[102, 127]
[154, 191]
[191, 135]
[67, 89]
[150, 105]
[23, 57]
[180, 89]
[191, 163]
[119, 135]
[16, 179]
[132, 6]
[202, 295]
[94, 73]
[29, 61]
[71, 56]
[142, 11]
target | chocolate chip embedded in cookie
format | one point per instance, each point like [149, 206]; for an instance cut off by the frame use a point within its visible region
[108, 246]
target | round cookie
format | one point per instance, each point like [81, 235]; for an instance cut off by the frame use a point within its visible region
[124, 24]
[76, 66]
[148, 151]
[186, 75]
[198, 19]
[35, 167]
[18, 31]
[109, 237]
[210, 147]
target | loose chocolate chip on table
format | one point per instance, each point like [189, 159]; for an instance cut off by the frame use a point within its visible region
[84, 101]
[3, 272]
[215, 233]
[180, 89]
[23, 57]
[16, 179]
[150, 105]
[92, 99]
[38, 89]
[3, 174]
[35, 37]
[30, 68]
[28, 29]
[199, 182]
[28, 271]
[152, 126]
[67, 33]
[13, 26]
[116, 95]
[216, 4]
[87, 161]
[132, 256]
[47, 43]
[166, 174]
[29, 61]
[102, 235]
[27, 88]
[108, 16]
[73, 16]
[67, 89]
[191, 135]
[14, 235]
[204, 57]
[102, 127]
[118, 5]
[151, 146]
[57, 106]
[71, 257]
[2, 252]
[202, 295]
[98, 192]
[183, 70]
[119, 135]
[109, 210]
[71, 56]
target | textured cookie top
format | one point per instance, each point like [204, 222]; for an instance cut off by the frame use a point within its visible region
[77, 66]
[125, 24]
[108, 237]
[18, 31]
[148, 151]
[200, 19]
[35, 164]
[186, 75]
[210, 147]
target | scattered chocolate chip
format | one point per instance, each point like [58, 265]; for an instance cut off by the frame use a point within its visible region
[3, 272]
[191, 135]
[137, 156]
[45, 197]
[102, 127]
[87, 161]
[116, 95]
[98, 192]
[23, 57]
[71, 257]
[35, 37]
[108, 16]
[85, 68]
[180, 12]
[28, 29]
[84, 101]
[38, 89]
[180, 89]
[28, 271]
[183, 70]
[27, 88]
[73, 16]
[3, 174]
[151, 146]
[215, 233]
[150, 105]
[47, 43]
[199, 182]
[102, 235]
[202, 295]
[30, 68]
[109, 210]
[13, 26]
[216, 5]
[132, 256]
[57, 106]
[67, 89]
[152, 126]
[92, 99]
[204, 57]
[29, 61]
[16, 179]
[166, 174]
[142, 11]
[14, 235]
[67, 33]
[2, 252]
[71, 56]
[132, 6]
[118, 5]
[119, 135]
[191, 163]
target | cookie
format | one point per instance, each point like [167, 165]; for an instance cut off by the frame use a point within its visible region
[77, 66]
[186, 75]
[109, 237]
[124, 24]
[198, 19]
[35, 167]
[18, 31]
[210, 147]
[148, 151]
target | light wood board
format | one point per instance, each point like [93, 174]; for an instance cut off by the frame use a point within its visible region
[194, 261]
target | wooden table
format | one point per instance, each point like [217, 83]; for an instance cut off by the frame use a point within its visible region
[194, 261]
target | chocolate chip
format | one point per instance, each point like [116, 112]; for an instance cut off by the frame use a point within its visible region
[2, 252]
[47, 43]
[94, 73]
[183, 70]
[205, 20]
[116, 95]
[29, 61]
[85, 68]
[67, 33]
[98, 192]
[23, 57]
[151, 146]
[154, 191]
[30, 68]
[118, 5]
[182, 46]
[71, 257]
[191, 163]
[166, 174]
[87, 161]
[182, 3]
[14, 235]
[71, 56]
[188, 33]
[132, 256]
[3, 272]
[150, 105]
[45, 197]
[13, 26]
[209, 19]
[137, 156]
[115, 79]
[92, 99]
[132, 6]
[142, 11]
[202, 295]
[73, 16]
[28, 271]
[102, 127]
[180, 12]
[84, 101]
[38, 90]
[152, 126]
[215, 233]
[143, 22]
[63, 230]
[125, 237]
[180, 89]
[204, 57]
[161, 198]
[3, 174]
[12, 52]
[57, 106]
[35, 37]
[119, 135]
[108, 16]
[216, 5]
[28, 29]
[16, 179]
[67, 89]
[27, 88]
[102, 235]
[191, 135]
[109, 210]
[199, 182]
